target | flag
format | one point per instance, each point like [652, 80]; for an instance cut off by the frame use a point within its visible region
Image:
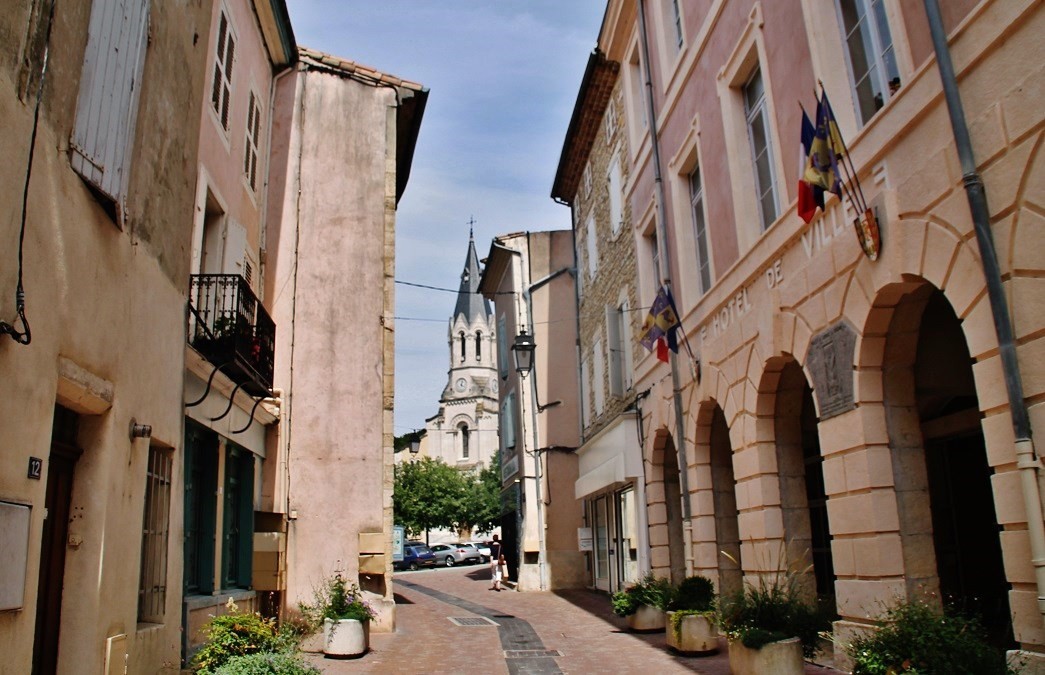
[662, 323]
[662, 349]
[826, 148]
[809, 196]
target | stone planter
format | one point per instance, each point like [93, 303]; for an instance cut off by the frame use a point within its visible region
[780, 658]
[345, 638]
[698, 634]
[646, 619]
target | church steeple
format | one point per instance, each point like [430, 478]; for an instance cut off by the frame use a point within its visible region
[470, 302]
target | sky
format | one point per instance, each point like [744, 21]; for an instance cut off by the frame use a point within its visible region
[503, 76]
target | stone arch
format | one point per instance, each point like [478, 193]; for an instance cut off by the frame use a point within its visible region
[716, 525]
[664, 509]
[941, 472]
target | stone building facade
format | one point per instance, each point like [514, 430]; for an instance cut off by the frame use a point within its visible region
[842, 413]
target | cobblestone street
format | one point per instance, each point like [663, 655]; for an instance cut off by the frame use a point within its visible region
[564, 632]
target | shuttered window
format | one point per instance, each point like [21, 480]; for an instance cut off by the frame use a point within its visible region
[107, 103]
[250, 160]
[221, 87]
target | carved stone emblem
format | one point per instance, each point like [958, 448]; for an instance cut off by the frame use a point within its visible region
[831, 364]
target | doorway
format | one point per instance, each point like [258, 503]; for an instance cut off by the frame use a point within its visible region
[57, 500]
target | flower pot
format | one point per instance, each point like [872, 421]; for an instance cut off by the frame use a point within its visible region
[780, 658]
[646, 619]
[345, 638]
[698, 634]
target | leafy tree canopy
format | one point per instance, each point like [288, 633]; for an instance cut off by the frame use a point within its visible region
[429, 494]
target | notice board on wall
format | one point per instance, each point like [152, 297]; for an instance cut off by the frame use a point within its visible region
[14, 553]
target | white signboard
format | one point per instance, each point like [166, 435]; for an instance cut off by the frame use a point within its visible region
[584, 539]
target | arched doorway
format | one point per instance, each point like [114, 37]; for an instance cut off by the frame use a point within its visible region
[803, 499]
[940, 465]
[723, 485]
[667, 540]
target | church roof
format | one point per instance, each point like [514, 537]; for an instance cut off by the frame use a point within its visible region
[470, 302]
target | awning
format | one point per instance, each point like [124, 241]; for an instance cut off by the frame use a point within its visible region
[613, 457]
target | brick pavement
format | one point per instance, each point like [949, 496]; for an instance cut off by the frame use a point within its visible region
[577, 624]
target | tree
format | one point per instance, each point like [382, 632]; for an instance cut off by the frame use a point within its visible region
[429, 494]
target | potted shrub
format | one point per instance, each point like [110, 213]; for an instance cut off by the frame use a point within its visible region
[644, 603]
[691, 624]
[344, 616]
[234, 634]
[915, 637]
[771, 627]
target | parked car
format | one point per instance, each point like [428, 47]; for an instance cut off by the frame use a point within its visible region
[451, 554]
[415, 557]
[484, 549]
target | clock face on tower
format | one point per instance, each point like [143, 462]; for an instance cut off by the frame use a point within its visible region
[461, 384]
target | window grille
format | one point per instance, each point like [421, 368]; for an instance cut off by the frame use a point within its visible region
[152, 586]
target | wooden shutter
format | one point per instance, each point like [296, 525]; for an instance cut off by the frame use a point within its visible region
[107, 107]
[616, 359]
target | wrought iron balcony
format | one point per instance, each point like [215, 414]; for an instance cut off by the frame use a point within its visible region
[230, 327]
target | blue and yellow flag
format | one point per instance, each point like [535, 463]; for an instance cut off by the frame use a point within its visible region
[661, 322]
[825, 150]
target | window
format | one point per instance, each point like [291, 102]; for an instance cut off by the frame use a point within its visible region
[464, 441]
[502, 349]
[221, 88]
[636, 102]
[250, 159]
[618, 343]
[593, 246]
[613, 181]
[700, 234]
[758, 133]
[478, 346]
[460, 337]
[676, 18]
[587, 179]
[201, 488]
[238, 530]
[598, 363]
[653, 253]
[507, 423]
[152, 583]
[585, 393]
[872, 59]
[107, 103]
[611, 119]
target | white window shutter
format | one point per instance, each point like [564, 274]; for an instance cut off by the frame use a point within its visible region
[616, 351]
[598, 359]
[107, 106]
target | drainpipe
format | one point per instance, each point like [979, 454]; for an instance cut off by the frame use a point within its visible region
[1026, 459]
[665, 274]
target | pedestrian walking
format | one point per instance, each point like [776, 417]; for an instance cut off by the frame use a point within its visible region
[496, 563]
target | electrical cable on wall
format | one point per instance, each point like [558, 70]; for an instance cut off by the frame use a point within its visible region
[25, 336]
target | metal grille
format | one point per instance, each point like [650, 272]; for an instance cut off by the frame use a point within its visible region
[471, 621]
[530, 653]
[152, 587]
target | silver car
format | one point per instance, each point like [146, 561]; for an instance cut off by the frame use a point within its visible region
[451, 554]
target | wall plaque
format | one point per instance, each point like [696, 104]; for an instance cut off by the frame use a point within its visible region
[831, 364]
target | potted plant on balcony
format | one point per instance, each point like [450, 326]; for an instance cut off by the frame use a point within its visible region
[644, 603]
[771, 626]
[691, 623]
[344, 616]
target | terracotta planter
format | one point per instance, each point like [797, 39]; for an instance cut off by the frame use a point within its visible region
[345, 638]
[698, 634]
[647, 619]
[780, 658]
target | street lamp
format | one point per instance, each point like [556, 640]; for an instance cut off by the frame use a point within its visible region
[415, 443]
[523, 349]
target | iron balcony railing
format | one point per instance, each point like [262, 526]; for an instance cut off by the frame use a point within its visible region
[230, 327]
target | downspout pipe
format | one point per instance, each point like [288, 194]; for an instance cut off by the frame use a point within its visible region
[1027, 460]
[665, 264]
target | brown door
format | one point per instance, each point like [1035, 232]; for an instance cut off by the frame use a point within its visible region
[52, 557]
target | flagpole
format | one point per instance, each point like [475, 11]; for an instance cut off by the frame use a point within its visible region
[851, 169]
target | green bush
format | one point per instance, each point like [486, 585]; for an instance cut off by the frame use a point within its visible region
[771, 611]
[268, 663]
[694, 593]
[234, 634]
[650, 590]
[336, 599]
[916, 639]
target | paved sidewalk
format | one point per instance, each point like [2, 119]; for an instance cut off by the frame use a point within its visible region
[572, 632]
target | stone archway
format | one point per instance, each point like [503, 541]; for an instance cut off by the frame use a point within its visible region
[664, 494]
[950, 536]
[714, 462]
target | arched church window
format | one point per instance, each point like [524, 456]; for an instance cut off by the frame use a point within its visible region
[464, 440]
[478, 346]
[462, 345]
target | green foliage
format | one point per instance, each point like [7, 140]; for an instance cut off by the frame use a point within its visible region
[336, 599]
[234, 634]
[650, 590]
[771, 611]
[695, 593]
[268, 663]
[678, 615]
[916, 639]
[429, 494]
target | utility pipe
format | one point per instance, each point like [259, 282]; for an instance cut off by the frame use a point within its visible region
[665, 267]
[1027, 460]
